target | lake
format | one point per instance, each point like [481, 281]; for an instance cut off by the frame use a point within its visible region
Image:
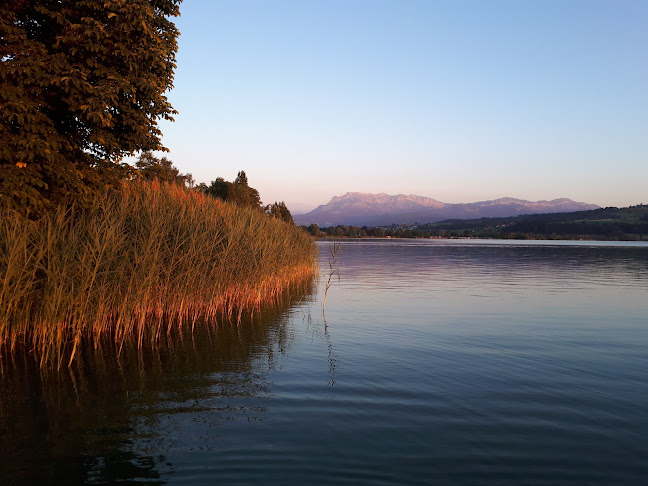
[439, 361]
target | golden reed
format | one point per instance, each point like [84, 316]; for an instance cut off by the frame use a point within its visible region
[142, 260]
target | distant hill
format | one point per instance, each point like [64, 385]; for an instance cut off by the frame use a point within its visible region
[363, 209]
[611, 223]
[608, 224]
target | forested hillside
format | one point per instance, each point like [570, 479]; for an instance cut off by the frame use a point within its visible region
[629, 223]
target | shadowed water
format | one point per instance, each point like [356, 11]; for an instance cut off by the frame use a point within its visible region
[463, 362]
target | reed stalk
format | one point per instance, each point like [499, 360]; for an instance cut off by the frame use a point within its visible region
[334, 254]
[141, 261]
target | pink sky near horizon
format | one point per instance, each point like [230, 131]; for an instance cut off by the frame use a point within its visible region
[459, 101]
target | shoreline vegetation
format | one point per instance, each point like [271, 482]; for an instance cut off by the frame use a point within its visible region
[92, 249]
[136, 263]
[606, 224]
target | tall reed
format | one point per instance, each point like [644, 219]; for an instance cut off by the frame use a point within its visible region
[140, 261]
[334, 249]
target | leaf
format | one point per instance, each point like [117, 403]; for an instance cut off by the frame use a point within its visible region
[85, 88]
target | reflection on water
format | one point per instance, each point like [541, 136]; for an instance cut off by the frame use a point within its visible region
[463, 362]
[495, 362]
[111, 419]
[454, 260]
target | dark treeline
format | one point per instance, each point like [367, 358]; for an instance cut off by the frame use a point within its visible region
[239, 192]
[393, 231]
[600, 224]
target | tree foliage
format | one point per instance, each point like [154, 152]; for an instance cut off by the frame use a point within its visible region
[150, 167]
[82, 84]
[279, 210]
[238, 192]
[218, 188]
[242, 194]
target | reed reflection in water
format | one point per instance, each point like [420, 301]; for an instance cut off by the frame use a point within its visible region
[113, 418]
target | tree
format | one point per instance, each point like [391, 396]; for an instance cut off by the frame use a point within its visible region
[314, 230]
[218, 188]
[242, 194]
[280, 211]
[150, 167]
[82, 84]
[238, 192]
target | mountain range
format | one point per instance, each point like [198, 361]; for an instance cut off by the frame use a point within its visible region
[363, 209]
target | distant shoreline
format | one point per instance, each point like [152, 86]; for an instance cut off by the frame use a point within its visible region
[607, 224]
[324, 238]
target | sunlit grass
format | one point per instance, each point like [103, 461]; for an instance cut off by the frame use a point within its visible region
[141, 261]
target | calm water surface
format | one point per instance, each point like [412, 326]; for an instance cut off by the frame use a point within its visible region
[449, 362]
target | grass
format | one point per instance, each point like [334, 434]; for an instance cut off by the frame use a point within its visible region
[140, 262]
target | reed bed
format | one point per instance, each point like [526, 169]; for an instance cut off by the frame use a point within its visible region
[141, 261]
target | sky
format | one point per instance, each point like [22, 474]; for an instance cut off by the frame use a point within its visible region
[457, 100]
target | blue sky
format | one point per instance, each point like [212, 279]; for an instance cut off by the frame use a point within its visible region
[456, 100]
